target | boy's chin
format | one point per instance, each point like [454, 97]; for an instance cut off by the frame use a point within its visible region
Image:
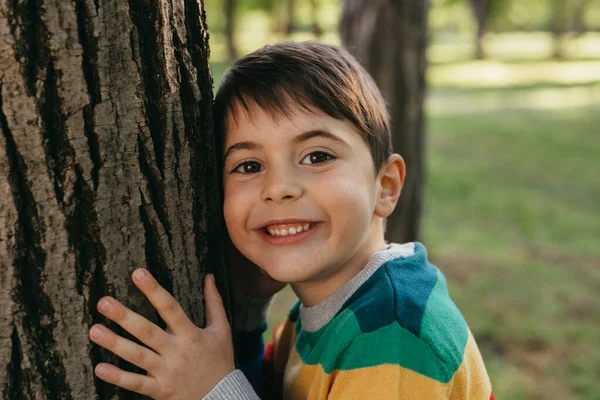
[268, 276]
[292, 266]
[285, 274]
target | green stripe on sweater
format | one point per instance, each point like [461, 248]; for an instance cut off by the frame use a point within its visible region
[326, 345]
[444, 326]
[393, 344]
[346, 348]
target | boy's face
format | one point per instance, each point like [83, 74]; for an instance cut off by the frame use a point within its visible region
[300, 194]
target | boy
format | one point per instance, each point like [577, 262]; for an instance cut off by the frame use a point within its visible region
[309, 179]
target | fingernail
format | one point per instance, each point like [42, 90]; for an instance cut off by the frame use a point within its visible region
[97, 333]
[104, 305]
[140, 274]
[211, 277]
[101, 370]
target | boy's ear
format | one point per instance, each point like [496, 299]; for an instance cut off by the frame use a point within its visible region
[391, 177]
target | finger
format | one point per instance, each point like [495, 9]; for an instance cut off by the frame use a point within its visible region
[147, 332]
[126, 349]
[166, 305]
[128, 380]
[215, 311]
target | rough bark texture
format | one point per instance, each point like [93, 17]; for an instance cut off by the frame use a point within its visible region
[107, 163]
[389, 37]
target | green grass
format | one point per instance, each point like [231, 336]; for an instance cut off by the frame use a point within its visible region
[512, 219]
[512, 212]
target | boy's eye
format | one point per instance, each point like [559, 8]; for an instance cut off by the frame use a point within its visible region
[317, 157]
[248, 167]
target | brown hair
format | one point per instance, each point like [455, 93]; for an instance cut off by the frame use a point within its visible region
[313, 76]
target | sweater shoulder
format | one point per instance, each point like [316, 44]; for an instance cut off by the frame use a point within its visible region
[404, 315]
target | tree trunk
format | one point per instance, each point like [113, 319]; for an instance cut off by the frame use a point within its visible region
[230, 6]
[579, 24]
[107, 163]
[558, 27]
[316, 27]
[278, 18]
[480, 10]
[291, 12]
[389, 37]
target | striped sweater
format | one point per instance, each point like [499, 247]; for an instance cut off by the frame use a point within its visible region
[392, 332]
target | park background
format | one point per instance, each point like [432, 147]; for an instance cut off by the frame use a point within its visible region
[512, 160]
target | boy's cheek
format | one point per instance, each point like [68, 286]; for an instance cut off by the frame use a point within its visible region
[234, 221]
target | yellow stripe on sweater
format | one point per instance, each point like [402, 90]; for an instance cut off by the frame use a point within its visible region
[386, 381]
[471, 380]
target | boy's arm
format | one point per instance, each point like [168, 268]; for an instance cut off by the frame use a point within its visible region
[471, 380]
[233, 386]
[252, 291]
[249, 324]
[253, 375]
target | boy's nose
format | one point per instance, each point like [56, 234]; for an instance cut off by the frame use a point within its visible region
[281, 187]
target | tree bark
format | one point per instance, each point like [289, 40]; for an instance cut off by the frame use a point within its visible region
[107, 163]
[390, 37]
[480, 10]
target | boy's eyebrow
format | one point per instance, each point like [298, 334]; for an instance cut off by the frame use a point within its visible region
[303, 137]
[240, 146]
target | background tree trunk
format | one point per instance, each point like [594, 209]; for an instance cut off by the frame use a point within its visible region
[230, 6]
[558, 24]
[390, 38]
[107, 163]
[316, 26]
[579, 23]
[480, 10]
[290, 14]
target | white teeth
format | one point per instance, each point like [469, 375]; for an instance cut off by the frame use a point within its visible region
[292, 230]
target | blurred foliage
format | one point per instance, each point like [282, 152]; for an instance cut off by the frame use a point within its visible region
[446, 15]
[511, 15]
[274, 9]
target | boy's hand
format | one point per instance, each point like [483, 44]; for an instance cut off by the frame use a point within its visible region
[187, 362]
[248, 279]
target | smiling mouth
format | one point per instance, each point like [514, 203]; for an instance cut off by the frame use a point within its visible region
[284, 230]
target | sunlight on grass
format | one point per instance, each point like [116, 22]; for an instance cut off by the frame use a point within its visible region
[527, 45]
[512, 220]
[510, 46]
[469, 86]
[497, 73]
[538, 99]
